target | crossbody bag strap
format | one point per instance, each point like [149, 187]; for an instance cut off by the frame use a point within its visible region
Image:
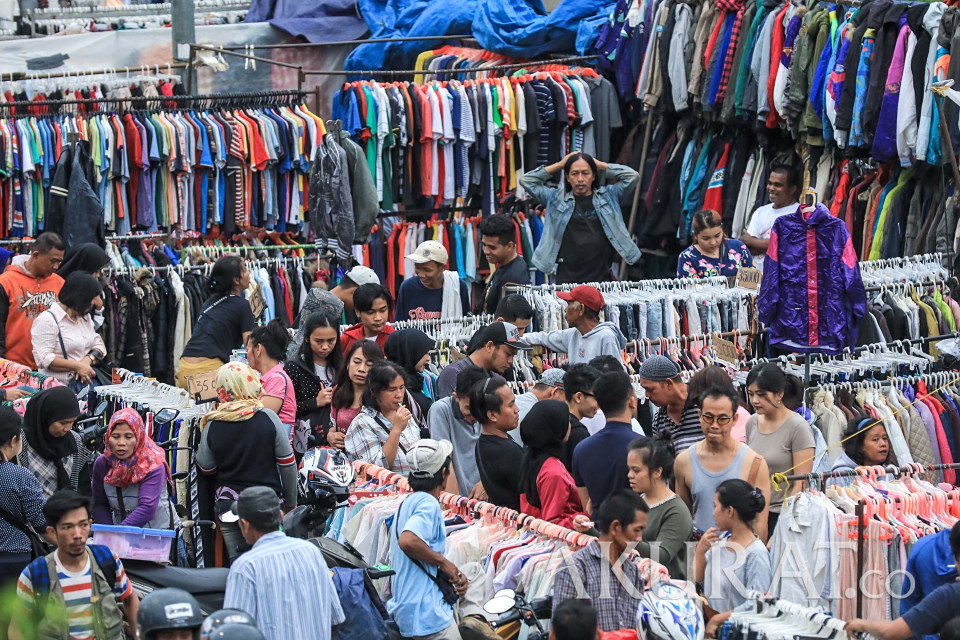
[754, 469]
[396, 532]
[15, 522]
[120, 505]
[63, 347]
[387, 429]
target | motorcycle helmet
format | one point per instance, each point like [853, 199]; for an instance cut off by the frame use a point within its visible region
[167, 609]
[325, 473]
[667, 612]
[223, 617]
[236, 632]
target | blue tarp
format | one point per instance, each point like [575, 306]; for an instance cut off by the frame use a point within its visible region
[516, 28]
[315, 20]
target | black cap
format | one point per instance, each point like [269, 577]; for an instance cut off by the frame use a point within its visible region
[503, 333]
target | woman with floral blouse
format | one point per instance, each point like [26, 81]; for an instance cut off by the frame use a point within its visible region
[712, 254]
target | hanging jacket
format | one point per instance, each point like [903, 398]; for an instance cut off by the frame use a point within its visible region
[811, 295]
[72, 192]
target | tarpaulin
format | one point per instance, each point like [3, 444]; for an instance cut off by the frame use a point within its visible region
[516, 28]
[315, 20]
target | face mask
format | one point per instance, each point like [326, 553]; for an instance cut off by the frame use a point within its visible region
[97, 319]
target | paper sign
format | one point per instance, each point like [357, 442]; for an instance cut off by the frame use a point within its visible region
[749, 278]
[257, 302]
[203, 387]
[726, 350]
[455, 355]
[115, 377]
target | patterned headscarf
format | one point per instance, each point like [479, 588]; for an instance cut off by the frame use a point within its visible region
[238, 390]
[146, 457]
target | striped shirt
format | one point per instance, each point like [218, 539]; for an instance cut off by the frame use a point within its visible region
[267, 582]
[683, 435]
[77, 590]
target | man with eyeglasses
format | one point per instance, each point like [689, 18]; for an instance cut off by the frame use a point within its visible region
[718, 457]
[578, 384]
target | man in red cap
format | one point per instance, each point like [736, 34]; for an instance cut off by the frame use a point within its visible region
[587, 337]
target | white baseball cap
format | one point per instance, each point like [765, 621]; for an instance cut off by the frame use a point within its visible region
[363, 275]
[428, 456]
[429, 251]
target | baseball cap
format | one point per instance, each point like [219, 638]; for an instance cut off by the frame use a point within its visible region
[658, 368]
[588, 296]
[552, 377]
[363, 275]
[429, 251]
[503, 333]
[253, 503]
[428, 456]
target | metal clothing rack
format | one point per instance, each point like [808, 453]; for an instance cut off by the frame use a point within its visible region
[219, 98]
[183, 268]
[434, 72]
[860, 511]
[137, 236]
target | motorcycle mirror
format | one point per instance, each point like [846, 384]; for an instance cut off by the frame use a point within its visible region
[500, 604]
[101, 409]
[165, 415]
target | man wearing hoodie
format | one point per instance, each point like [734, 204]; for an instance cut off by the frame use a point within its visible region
[372, 304]
[28, 287]
[587, 337]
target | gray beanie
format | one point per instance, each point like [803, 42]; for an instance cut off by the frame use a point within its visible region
[659, 368]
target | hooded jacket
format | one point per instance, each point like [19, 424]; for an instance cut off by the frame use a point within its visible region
[74, 210]
[811, 295]
[355, 333]
[23, 297]
[605, 339]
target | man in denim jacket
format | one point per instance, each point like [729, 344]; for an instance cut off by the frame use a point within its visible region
[583, 230]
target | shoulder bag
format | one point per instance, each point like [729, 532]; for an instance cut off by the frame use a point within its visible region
[446, 587]
[38, 546]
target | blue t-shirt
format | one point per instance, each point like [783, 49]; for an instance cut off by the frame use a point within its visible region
[933, 612]
[417, 606]
[596, 468]
[416, 302]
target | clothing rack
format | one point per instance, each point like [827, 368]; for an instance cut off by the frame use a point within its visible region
[137, 236]
[240, 247]
[470, 70]
[182, 268]
[478, 507]
[860, 513]
[222, 98]
[623, 285]
[81, 74]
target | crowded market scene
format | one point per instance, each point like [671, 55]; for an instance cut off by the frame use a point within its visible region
[532, 319]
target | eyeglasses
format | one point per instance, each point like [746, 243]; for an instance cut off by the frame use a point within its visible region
[709, 418]
[587, 393]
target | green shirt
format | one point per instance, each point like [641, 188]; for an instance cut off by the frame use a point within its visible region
[669, 525]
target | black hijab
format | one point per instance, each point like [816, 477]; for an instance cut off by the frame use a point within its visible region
[79, 290]
[542, 431]
[406, 347]
[87, 257]
[43, 409]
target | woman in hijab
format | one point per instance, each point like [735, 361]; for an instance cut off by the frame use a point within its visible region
[88, 258]
[410, 348]
[52, 450]
[246, 446]
[66, 345]
[131, 479]
[547, 490]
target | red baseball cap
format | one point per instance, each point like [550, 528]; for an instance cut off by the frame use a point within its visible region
[588, 296]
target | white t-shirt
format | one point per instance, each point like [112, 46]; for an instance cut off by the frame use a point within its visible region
[761, 224]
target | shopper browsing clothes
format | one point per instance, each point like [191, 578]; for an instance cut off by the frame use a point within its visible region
[435, 292]
[587, 337]
[52, 449]
[583, 231]
[712, 253]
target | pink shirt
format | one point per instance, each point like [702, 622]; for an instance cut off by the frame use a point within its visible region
[277, 384]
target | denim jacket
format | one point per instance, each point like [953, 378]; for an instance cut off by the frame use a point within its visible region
[560, 204]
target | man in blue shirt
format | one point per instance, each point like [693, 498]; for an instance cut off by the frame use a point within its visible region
[932, 565]
[936, 608]
[435, 292]
[600, 461]
[417, 545]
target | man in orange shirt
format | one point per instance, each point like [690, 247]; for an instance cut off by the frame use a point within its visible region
[28, 287]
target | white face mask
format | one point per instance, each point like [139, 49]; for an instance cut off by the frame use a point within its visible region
[97, 319]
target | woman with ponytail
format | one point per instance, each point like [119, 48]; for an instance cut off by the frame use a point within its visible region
[732, 549]
[224, 323]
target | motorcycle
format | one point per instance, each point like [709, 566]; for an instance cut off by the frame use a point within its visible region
[515, 612]
[324, 484]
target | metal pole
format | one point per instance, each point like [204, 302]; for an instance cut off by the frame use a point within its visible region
[945, 142]
[860, 534]
[349, 42]
[648, 132]
[184, 32]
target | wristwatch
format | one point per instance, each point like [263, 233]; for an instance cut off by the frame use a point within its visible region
[94, 357]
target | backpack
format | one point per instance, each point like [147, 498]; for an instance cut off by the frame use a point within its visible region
[40, 575]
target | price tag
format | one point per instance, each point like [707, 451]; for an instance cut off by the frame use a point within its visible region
[203, 387]
[257, 302]
[749, 278]
[115, 377]
[726, 350]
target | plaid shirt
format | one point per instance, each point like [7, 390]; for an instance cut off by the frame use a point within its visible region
[369, 432]
[593, 577]
[731, 52]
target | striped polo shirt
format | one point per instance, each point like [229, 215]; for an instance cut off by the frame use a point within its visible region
[683, 435]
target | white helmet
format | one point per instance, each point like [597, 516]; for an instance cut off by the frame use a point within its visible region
[667, 612]
[325, 472]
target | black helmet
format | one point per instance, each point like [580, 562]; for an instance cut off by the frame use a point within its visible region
[168, 609]
[236, 632]
[217, 619]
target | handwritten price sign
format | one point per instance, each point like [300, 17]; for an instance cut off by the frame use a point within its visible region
[749, 278]
[726, 350]
[203, 387]
[257, 302]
